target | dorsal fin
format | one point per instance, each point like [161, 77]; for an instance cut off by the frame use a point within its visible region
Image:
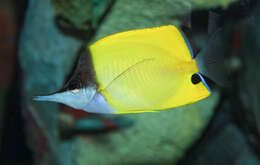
[188, 44]
[187, 35]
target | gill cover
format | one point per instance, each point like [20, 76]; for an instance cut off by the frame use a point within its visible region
[146, 70]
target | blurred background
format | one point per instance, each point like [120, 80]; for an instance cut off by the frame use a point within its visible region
[40, 42]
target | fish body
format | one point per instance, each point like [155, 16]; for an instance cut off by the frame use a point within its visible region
[135, 71]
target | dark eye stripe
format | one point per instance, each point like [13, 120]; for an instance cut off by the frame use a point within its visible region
[204, 81]
[188, 44]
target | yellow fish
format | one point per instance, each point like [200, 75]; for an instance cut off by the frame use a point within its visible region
[135, 71]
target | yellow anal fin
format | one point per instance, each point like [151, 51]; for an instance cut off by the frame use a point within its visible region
[133, 111]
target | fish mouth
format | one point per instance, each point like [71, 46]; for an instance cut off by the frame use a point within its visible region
[77, 98]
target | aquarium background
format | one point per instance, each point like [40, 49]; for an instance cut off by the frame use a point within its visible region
[40, 42]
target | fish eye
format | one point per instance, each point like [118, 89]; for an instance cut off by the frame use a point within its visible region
[74, 91]
[195, 79]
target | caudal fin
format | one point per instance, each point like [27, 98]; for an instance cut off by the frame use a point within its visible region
[212, 59]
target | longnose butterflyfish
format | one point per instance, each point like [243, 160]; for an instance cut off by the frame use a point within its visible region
[135, 71]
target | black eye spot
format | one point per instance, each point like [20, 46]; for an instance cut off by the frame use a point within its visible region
[195, 79]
